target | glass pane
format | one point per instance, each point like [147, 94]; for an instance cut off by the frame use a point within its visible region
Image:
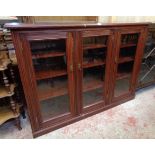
[54, 107]
[92, 96]
[52, 87]
[128, 52]
[122, 86]
[49, 60]
[94, 56]
[48, 46]
[93, 79]
[50, 67]
[95, 40]
[129, 38]
[126, 58]
[123, 77]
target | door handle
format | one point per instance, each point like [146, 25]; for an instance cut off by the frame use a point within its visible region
[79, 67]
[71, 68]
[116, 60]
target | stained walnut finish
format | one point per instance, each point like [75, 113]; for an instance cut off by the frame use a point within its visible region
[72, 71]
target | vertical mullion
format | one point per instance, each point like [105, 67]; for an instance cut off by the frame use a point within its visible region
[70, 71]
[78, 71]
[115, 57]
[107, 80]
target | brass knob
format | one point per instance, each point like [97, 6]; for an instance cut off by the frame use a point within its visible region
[79, 66]
[116, 60]
[71, 68]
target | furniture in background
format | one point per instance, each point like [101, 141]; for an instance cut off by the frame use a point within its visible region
[12, 99]
[9, 108]
[147, 73]
[41, 19]
[72, 71]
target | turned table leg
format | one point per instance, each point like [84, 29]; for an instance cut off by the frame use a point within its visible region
[6, 82]
[13, 105]
[12, 74]
[18, 95]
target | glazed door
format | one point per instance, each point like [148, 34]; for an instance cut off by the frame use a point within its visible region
[126, 60]
[96, 47]
[51, 65]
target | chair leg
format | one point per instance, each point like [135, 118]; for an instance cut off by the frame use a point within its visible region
[17, 123]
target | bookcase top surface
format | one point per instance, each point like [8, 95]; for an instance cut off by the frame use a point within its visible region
[51, 25]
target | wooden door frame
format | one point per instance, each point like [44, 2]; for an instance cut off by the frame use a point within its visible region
[79, 75]
[136, 66]
[25, 78]
[33, 102]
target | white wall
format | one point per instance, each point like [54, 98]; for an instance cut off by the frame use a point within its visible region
[116, 19]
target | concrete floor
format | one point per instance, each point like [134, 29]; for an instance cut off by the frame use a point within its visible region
[133, 119]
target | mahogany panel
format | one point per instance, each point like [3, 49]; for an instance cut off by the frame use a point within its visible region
[48, 54]
[92, 46]
[125, 59]
[123, 75]
[93, 64]
[128, 45]
[49, 74]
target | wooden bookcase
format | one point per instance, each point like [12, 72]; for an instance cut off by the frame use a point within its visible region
[72, 71]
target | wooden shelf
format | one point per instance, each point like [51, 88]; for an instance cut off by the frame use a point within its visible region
[3, 46]
[14, 61]
[4, 49]
[48, 54]
[5, 93]
[128, 45]
[123, 75]
[1, 33]
[60, 88]
[46, 91]
[13, 58]
[50, 74]
[93, 64]
[125, 59]
[6, 113]
[91, 84]
[92, 46]
[4, 63]
[8, 38]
